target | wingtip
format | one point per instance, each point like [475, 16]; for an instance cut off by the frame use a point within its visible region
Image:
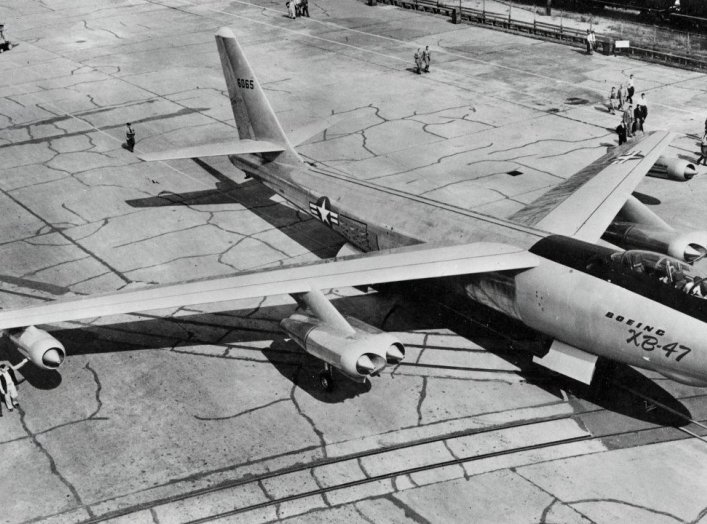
[225, 32]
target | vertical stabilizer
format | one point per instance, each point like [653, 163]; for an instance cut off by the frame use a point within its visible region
[254, 116]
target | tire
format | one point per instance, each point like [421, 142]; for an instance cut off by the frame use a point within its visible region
[326, 381]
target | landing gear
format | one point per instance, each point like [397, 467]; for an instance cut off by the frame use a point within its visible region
[326, 378]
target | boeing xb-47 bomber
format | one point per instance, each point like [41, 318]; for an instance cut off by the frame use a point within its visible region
[587, 265]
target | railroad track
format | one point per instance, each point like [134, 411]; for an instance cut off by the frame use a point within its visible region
[388, 469]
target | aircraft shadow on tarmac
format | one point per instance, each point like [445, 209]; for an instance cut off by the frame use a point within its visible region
[257, 198]
[401, 308]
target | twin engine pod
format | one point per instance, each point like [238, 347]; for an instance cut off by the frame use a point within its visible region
[688, 246]
[358, 355]
[40, 347]
[673, 169]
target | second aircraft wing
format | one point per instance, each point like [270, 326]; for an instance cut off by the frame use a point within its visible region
[409, 263]
[584, 205]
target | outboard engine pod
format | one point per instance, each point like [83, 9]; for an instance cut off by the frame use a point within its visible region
[40, 347]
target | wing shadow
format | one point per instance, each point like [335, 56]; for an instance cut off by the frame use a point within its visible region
[258, 199]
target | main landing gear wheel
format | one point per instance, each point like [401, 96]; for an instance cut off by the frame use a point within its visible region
[326, 379]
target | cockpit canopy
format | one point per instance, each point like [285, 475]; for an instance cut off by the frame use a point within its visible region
[667, 269]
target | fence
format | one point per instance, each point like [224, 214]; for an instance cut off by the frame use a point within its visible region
[669, 51]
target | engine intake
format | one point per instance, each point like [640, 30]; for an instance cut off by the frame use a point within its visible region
[358, 356]
[40, 347]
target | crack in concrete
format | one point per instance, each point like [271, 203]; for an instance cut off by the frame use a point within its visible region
[423, 395]
[52, 228]
[362, 514]
[52, 464]
[551, 495]
[409, 512]
[246, 412]
[626, 503]
[317, 431]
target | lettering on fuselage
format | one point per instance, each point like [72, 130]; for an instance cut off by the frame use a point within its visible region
[635, 324]
[649, 338]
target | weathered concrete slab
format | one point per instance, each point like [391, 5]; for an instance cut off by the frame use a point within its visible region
[174, 414]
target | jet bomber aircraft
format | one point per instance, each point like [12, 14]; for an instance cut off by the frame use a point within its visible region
[587, 265]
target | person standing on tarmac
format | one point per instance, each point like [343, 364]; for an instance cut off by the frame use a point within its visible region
[628, 120]
[7, 385]
[621, 131]
[129, 137]
[631, 89]
[418, 61]
[426, 57]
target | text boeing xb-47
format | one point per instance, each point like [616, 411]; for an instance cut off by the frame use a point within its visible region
[586, 265]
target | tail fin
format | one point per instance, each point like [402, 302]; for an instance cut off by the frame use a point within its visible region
[254, 116]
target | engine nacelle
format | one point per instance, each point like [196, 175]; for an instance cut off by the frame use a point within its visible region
[673, 168]
[39, 346]
[687, 246]
[358, 355]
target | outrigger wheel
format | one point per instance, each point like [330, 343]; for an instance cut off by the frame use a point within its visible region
[326, 379]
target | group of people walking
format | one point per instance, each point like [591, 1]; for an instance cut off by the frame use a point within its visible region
[422, 60]
[297, 8]
[634, 115]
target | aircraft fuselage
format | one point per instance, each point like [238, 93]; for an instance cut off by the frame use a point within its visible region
[571, 295]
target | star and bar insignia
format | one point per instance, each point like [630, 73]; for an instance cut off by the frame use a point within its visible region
[633, 155]
[322, 211]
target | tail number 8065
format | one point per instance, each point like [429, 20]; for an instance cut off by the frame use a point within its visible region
[245, 84]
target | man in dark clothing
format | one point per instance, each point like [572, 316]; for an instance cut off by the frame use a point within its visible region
[129, 138]
[621, 131]
[304, 8]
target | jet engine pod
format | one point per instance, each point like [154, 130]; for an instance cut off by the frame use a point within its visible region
[688, 246]
[357, 354]
[673, 168]
[40, 347]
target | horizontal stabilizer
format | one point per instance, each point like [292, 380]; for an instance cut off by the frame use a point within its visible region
[236, 147]
[395, 265]
[569, 361]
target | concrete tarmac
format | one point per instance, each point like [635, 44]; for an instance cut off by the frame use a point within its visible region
[210, 414]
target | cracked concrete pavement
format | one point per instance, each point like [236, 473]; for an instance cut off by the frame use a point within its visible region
[152, 412]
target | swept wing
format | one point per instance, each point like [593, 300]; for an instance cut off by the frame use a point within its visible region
[409, 263]
[584, 205]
